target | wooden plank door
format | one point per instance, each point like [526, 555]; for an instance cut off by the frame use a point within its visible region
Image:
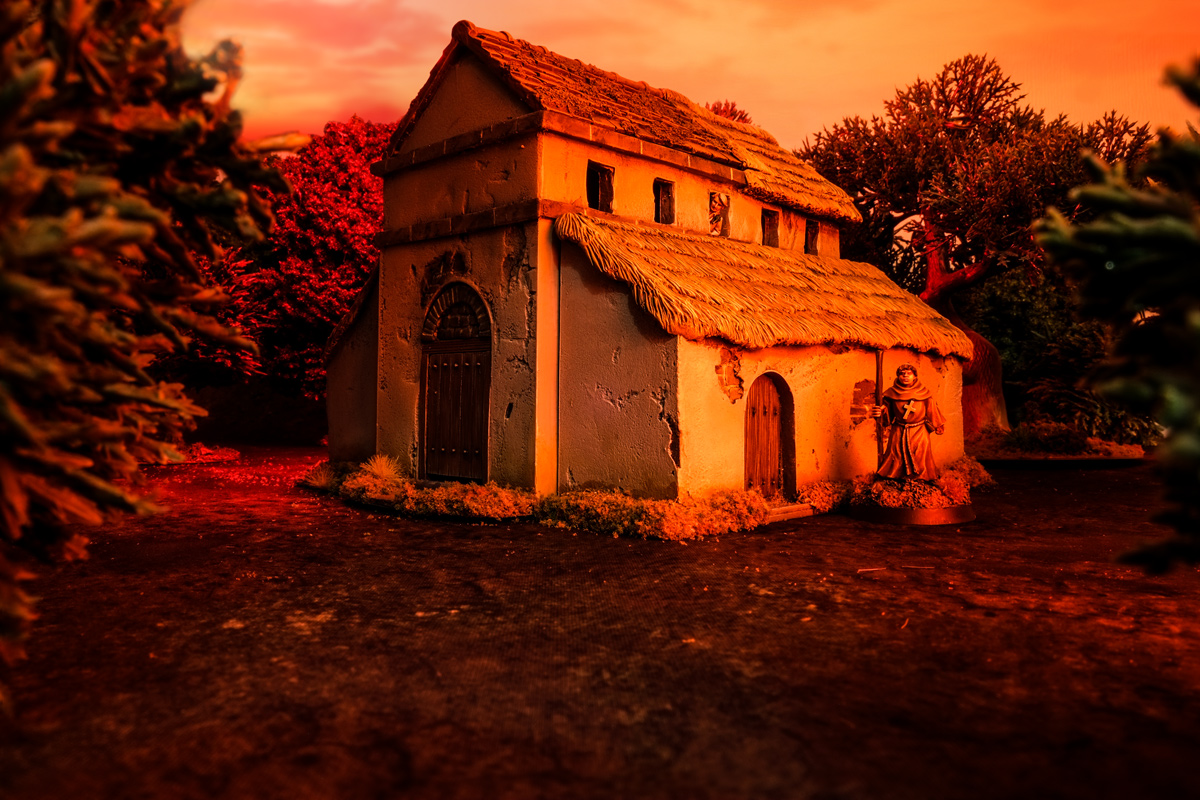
[764, 428]
[456, 383]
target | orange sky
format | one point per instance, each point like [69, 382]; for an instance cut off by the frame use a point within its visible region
[796, 65]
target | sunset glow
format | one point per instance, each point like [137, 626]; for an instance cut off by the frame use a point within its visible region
[796, 67]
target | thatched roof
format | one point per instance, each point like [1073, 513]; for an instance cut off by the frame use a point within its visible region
[546, 81]
[703, 287]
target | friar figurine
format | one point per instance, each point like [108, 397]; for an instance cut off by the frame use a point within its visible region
[911, 415]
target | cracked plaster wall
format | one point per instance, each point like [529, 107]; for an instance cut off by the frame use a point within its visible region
[830, 443]
[618, 410]
[498, 263]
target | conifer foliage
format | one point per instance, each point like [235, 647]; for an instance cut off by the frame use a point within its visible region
[1137, 262]
[118, 155]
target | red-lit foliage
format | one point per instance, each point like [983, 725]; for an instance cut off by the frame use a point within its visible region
[291, 290]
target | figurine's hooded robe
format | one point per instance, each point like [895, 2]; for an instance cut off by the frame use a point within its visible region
[910, 413]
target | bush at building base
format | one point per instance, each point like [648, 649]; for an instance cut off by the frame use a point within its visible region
[953, 488]
[380, 482]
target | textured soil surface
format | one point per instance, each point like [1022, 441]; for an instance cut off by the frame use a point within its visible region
[259, 641]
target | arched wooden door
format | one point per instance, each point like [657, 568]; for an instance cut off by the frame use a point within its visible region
[456, 378]
[769, 433]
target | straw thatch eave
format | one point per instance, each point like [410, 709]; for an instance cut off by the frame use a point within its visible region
[702, 287]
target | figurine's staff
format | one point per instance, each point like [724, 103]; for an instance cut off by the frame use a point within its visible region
[879, 402]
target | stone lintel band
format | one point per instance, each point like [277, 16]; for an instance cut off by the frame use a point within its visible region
[571, 128]
[512, 214]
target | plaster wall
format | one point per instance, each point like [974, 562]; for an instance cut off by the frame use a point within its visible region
[469, 97]
[351, 381]
[499, 263]
[831, 442]
[563, 178]
[829, 241]
[618, 408]
[475, 180]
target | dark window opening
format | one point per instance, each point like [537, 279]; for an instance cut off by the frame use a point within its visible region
[664, 202]
[812, 233]
[599, 187]
[770, 228]
[718, 214]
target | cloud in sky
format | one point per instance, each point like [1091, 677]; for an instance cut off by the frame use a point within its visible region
[796, 67]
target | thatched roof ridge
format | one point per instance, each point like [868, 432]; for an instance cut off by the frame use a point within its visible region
[702, 287]
[546, 81]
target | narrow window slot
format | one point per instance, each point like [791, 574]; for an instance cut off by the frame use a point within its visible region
[770, 228]
[812, 236]
[600, 187]
[664, 202]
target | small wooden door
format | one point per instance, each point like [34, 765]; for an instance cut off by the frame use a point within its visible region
[456, 379]
[764, 434]
[456, 413]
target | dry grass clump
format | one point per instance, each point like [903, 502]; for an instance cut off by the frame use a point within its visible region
[327, 476]
[616, 514]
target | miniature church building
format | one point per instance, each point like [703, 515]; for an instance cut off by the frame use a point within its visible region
[586, 282]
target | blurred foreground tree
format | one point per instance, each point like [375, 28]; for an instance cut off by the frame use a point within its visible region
[291, 289]
[117, 155]
[1137, 263]
[948, 182]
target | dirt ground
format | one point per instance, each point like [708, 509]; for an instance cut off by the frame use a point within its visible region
[262, 642]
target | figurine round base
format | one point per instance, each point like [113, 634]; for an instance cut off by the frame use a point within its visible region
[952, 515]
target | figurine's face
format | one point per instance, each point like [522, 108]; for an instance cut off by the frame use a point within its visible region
[906, 377]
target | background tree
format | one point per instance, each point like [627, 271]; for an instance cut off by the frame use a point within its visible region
[1136, 262]
[291, 289]
[118, 154]
[948, 182]
[729, 110]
